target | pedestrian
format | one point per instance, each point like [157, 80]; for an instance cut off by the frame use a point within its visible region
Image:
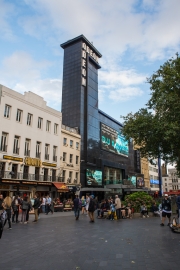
[83, 205]
[29, 208]
[166, 209]
[118, 206]
[77, 205]
[87, 202]
[178, 206]
[144, 210]
[15, 209]
[7, 207]
[24, 206]
[48, 205]
[91, 208]
[1, 202]
[112, 209]
[36, 206]
[43, 204]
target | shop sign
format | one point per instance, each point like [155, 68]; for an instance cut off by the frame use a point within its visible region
[13, 158]
[70, 165]
[21, 187]
[43, 183]
[49, 164]
[30, 183]
[10, 182]
[4, 187]
[32, 161]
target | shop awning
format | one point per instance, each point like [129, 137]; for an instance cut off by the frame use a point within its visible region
[61, 187]
[95, 189]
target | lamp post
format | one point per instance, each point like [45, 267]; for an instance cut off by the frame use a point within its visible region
[160, 177]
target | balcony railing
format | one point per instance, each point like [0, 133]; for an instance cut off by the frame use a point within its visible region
[46, 157]
[113, 182]
[3, 148]
[55, 158]
[38, 155]
[16, 151]
[26, 176]
[27, 153]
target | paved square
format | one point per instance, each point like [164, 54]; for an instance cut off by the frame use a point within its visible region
[59, 242]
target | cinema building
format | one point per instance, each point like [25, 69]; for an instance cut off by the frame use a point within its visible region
[108, 163]
[29, 144]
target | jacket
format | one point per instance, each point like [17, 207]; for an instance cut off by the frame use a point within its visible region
[25, 205]
[92, 205]
[166, 205]
[178, 202]
[1, 207]
[36, 203]
[117, 203]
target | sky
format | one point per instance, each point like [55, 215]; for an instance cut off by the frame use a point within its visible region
[134, 37]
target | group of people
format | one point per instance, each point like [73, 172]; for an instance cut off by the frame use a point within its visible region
[89, 204]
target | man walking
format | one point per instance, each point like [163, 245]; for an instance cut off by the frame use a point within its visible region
[178, 206]
[76, 207]
[91, 208]
[48, 205]
[36, 206]
[118, 207]
[166, 209]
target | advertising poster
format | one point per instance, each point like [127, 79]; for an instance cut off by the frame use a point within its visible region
[113, 141]
[140, 182]
[93, 177]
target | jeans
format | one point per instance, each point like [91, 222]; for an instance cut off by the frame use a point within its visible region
[8, 212]
[76, 212]
[23, 217]
[15, 214]
[48, 209]
[118, 213]
[91, 216]
[43, 208]
[144, 212]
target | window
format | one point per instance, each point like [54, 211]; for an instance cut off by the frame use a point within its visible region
[166, 184]
[71, 158]
[38, 149]
[27, 148]
[40, 121]
[48, 126]
[19, 115]
[77, 159]
[47, 151]
[64, 175]
[56, 129]
[54, 153]
[29, 119]
[70, 177]
[64, 156]
[64, 141]
[3, 146]
[71, 143]
[16, 145]
[77, 145]
[76, 177]
[7, 111]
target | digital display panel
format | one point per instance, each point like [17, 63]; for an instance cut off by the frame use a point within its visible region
[93, 177]
[140, 182]
[154, 182]
[113, 141]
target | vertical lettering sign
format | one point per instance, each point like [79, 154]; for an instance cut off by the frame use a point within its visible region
[86, 50]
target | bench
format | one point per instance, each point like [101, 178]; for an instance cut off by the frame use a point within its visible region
[67, 207]
[58, 208]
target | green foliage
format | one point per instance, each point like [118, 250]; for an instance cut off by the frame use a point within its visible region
[156, 128]
[136, 199]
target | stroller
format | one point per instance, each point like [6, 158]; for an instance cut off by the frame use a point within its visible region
[174, 226]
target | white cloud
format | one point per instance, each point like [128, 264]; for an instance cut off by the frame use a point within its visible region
[22, 73]
[124, 94]
[6, 11]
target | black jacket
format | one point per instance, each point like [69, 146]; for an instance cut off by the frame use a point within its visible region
[1, 207]
[76, 203]
[92, 205]
[166, 205]
[36, 203]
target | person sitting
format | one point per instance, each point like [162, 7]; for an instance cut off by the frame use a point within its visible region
[155, 210]
[104, 208]
[123, 211]
[128, 211]
[144, 210]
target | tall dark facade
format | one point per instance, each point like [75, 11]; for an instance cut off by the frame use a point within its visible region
[100, 133]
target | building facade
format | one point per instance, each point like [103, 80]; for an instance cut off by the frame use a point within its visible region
[29, 143]
[106, 158]
[171, 182]
[70, 158]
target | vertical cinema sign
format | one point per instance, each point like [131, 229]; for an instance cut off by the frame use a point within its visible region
[86, 50]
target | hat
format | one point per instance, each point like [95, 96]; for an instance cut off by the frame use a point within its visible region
[92, 196]
[166, 195]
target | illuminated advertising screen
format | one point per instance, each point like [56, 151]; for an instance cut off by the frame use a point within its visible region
[140, 182]
[93, 177]
[113, 141]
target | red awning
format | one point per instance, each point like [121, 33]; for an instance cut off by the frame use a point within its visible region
[61, 187]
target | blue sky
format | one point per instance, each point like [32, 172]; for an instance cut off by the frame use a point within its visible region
[135, 37]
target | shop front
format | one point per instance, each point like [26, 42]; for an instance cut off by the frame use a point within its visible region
[61, 191]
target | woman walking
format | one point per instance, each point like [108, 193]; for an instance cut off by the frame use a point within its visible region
[15, 208]
[83, 204]
[7, 207]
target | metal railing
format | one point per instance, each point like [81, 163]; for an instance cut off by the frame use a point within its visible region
[16, 151]
[55, 158]
[38, 155]
[3, 148]
[46, 156]
[27, 153]
[113, 181]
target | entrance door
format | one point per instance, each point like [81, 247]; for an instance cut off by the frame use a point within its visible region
[25, 172]
[53, 175]
[14, 171]
[2, 169]
[36, 173]
[45, 174]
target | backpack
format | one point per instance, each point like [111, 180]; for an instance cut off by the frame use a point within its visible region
[80, 204]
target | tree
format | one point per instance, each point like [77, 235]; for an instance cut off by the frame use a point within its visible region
[136, 199]
[156, 128]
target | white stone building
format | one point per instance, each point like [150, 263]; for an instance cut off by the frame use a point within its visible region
[29, 142]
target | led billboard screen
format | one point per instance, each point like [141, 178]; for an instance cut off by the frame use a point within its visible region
[93, 177]
[113, 141]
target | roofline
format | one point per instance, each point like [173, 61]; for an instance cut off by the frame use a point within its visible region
[83, 38]
[111, 118]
